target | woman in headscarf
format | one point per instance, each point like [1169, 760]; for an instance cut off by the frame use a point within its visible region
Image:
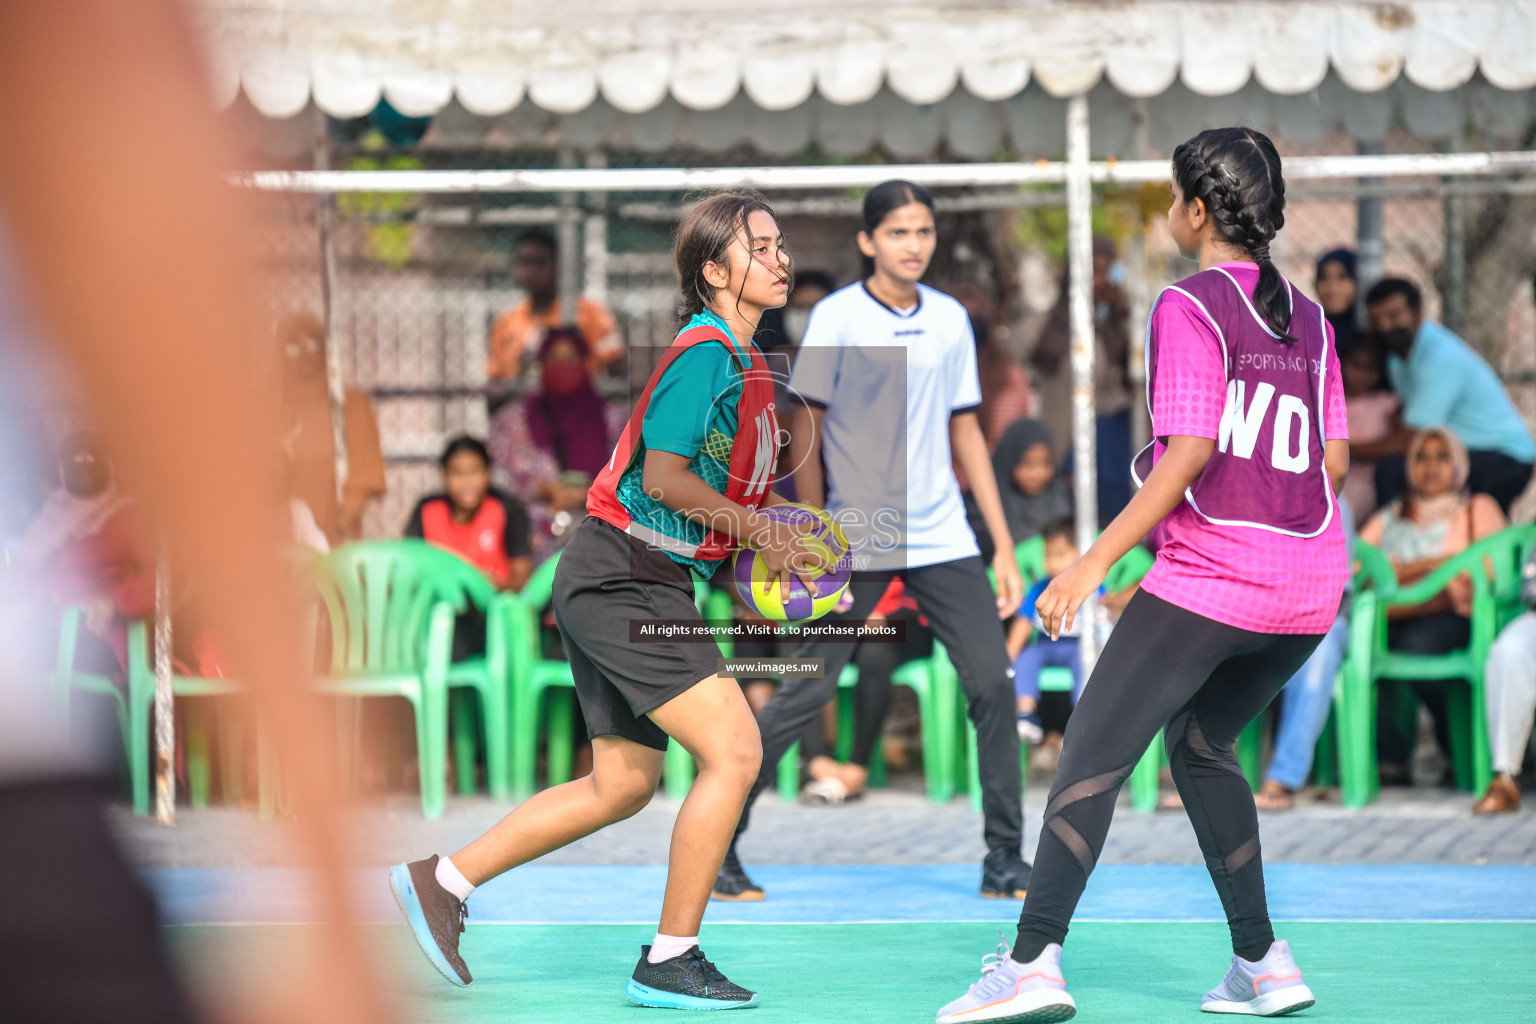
[552, 443]
[1031, 492]
[1336, 289]
[1436, 519]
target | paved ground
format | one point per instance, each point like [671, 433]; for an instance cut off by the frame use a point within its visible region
[891, 826]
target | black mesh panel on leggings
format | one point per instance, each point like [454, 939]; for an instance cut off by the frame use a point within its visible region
[1108, 784]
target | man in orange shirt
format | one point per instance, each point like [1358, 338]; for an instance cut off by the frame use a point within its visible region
[518, 330]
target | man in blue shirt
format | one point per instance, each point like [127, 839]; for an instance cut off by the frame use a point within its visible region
[1443, 383]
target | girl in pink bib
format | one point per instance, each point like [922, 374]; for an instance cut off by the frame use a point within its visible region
[1249, 449]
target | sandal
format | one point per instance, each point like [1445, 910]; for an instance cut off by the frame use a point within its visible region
[829, 791]
[1274, 797]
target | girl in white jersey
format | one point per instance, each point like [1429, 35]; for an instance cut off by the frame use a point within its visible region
[887, 375]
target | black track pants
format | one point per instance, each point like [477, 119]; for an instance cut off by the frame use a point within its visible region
[1203, 682]
[959, 603]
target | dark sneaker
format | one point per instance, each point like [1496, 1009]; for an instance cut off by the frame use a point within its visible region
[435, 915]
[686, 982]
[732, 883]
[1004, 876]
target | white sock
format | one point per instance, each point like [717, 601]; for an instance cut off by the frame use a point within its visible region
[452, 879]
[665, 947]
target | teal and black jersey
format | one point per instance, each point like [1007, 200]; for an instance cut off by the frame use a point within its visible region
[692, 413]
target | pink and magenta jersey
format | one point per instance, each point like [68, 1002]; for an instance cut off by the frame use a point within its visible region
[1257, 541]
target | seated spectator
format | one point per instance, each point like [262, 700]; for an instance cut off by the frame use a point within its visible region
[93, 548]
[1509, 686]
[1112, 393]
[833, 782]
[1434, 520]
[1005, 392]
[520, 330]
[553, 442]
[1337, 290]
[1032, 651]
[1032, 494]
[482, 525]
[1444, 383]
[1372, 409]
[1305, 703]
[310, 439]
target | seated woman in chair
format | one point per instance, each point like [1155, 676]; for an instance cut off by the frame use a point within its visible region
[1435, 519]
[486, 527]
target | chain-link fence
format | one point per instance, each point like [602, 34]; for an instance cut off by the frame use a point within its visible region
[418, 280]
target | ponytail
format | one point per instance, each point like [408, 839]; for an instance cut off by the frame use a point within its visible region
[1236, 173]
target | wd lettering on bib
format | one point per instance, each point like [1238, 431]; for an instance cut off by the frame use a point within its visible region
[1267, 471]
[1242, 424]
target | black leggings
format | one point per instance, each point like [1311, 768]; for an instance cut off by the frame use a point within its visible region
[1201, 681]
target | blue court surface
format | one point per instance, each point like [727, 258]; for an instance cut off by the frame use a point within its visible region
[849, 894]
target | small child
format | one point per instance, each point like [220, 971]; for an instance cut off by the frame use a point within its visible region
[1372, 409]
[1031, 653]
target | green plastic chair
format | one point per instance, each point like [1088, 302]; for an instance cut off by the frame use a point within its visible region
[926, 677]
[1125, 573]
[486, 675]
[135, 705]
[533, 675]
[540, 683]
[1493, 564]
[392, 636]
[918, 675]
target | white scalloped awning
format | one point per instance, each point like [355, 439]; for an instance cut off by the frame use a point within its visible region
[635, 54]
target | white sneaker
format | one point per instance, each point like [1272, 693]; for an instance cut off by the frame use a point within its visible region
[1269, 988]
[1032, 993]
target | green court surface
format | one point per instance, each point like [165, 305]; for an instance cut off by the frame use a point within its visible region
[1373, 973]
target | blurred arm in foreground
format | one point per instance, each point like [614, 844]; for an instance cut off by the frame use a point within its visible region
[125, 234]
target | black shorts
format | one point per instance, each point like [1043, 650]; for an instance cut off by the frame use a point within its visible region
[606, 578]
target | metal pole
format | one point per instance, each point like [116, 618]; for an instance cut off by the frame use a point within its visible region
[165, 709]
[1367, 236]
[1453, 304]
[595, 283]
[568, 257]
[1080, 296]
[325, 211]
[685, 179]
[1138, 277]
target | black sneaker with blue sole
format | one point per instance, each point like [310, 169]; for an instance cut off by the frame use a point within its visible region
[436, 916]
[685, 982]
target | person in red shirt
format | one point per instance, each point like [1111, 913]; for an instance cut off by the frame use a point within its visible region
[483, 525]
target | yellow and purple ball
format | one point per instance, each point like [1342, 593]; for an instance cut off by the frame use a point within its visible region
[752, 577]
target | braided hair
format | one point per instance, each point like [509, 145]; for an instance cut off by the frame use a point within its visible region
[1236, 173]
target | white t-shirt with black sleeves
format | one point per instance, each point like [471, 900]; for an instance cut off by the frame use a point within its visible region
[889, 381]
